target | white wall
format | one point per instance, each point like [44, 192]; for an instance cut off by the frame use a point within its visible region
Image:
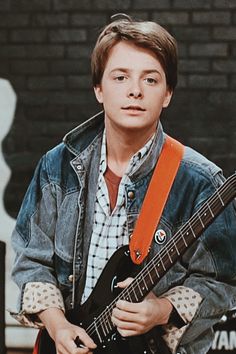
[16, 336]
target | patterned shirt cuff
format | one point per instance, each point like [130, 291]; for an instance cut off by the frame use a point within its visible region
[186, 301]
[37, 297]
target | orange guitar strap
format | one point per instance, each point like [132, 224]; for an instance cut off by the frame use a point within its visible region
[155, 199]
[36, 345]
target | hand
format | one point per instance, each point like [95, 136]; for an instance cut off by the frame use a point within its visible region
[65, 340]
[133, 319]
[64, 333]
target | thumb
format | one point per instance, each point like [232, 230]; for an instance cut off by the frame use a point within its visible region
[123, 284]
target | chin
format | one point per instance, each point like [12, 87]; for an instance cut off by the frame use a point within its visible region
[135, 127]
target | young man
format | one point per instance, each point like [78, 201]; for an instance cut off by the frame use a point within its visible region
[86, 195]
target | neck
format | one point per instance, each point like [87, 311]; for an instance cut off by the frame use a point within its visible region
[121, 146]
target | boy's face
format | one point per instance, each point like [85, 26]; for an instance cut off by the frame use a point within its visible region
[133, 90]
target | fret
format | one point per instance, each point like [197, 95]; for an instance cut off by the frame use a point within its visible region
[128, 298]
[177, 250]
[140, 290]
[199, 217]
[150, 277]
[210, 209]
[169, 257]
[183, 238]
[218, 193]
[135, 295]
[156, 271]
[194, 235]
[101, 326]
[97, 331]
[105, 324]
[144, 283]
[109, 322]
[163, 266]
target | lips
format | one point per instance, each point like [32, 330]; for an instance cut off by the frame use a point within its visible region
[133, 108]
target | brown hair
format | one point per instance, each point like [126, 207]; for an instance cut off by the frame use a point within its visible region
[144, 34]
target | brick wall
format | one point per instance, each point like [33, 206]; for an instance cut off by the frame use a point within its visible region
[44, 52]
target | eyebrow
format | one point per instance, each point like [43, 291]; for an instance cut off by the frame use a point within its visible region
[147, 71]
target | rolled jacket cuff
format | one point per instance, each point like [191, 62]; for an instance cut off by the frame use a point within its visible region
[37, 297]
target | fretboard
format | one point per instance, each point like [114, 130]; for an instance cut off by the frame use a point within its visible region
[149, 276]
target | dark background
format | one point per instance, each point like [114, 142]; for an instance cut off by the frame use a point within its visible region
[45, 48]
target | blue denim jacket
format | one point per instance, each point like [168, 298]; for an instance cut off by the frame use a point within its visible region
[52, 234]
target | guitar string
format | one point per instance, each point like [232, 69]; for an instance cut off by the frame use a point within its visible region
[132, 286]
[106, 314]
[148, 271]
[107, 311]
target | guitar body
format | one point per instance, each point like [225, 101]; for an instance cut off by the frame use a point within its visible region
[117, 269]
[95, 314]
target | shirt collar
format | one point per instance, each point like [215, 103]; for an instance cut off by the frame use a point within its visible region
[135, 161]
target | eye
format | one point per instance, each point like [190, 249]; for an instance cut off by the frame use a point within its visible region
[120, 78]
[150, 80]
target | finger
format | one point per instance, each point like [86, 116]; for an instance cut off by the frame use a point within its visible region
[78, 342]
[85, 340]
[70, 347]
[123, 284]
[66, 347]
[125, 316]
[81, 351]
[80, 347]
[125, 325]
[127, 321]
[126, 333]
[129, 306]
[64, 350]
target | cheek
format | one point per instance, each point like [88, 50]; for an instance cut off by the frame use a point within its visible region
[156, 103]
[162, 100]
[112, 96]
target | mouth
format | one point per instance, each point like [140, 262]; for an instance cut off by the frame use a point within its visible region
[133, 108]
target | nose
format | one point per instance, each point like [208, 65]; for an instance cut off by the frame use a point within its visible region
[135, 94]
[135, 91]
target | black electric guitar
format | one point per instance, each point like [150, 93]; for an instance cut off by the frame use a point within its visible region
[95, 314]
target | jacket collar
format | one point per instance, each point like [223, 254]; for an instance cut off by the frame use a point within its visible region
[88, 136]
[152, 157]
[78, 139]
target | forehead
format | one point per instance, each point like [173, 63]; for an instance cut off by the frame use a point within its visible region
[130, 56]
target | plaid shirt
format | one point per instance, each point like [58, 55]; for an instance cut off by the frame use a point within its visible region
[109, 229]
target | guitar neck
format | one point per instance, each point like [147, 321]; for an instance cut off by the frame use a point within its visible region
[149, 276]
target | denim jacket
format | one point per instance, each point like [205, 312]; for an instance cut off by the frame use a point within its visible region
[53, 230]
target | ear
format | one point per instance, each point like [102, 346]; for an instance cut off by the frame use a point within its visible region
[167, 97]
[98, 93]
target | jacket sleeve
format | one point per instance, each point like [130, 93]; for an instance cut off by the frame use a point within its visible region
[211, 271]
[186, 302]
[38, 297]
[33, 236]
